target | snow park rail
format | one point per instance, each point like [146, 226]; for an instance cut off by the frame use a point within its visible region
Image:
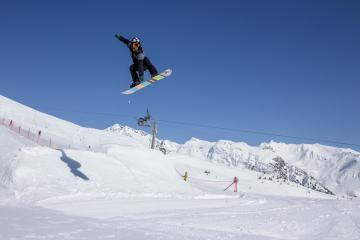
[39, 137]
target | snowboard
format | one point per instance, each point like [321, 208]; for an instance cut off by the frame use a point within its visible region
[145, 83]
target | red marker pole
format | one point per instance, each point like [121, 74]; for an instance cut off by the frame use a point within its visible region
[236, 180]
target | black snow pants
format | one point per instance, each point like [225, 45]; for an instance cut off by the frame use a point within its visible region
[141, 67]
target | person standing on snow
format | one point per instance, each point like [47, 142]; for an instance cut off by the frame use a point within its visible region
[140, 61]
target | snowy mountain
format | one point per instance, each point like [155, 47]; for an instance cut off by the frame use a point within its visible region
[127, 131]
[322, 168]
[327, 169]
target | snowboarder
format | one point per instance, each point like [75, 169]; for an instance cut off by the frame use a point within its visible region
[140, 61]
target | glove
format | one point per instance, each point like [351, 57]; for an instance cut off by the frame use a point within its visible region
[141, 78]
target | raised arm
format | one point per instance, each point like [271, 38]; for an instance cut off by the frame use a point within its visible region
[122, 39]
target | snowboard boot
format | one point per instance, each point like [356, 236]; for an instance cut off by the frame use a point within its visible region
[134, 84]
[154, 74]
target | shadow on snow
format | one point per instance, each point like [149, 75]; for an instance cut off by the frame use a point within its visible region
[73, 165]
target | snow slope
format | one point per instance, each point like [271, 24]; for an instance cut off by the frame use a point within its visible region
[119, 161]
[247, 217]
[119, 188]
[63, 133]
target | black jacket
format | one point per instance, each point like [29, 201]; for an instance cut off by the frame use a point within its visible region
[137, 57]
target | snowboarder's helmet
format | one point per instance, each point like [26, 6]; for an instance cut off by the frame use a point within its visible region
[135, 40]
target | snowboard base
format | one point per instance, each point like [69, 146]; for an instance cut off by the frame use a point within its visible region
[145, 83]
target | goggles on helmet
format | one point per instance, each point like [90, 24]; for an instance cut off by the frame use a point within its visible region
[135, 40]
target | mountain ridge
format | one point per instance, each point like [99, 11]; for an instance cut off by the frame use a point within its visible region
[324, 168]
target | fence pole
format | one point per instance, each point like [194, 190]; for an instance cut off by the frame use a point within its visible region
[235, 183]
[236, 180]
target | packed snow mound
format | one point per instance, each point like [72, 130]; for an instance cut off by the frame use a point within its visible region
[10, 144]
[78, 161]
[41, 173]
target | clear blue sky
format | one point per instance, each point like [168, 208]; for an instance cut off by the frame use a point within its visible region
[285, 67]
